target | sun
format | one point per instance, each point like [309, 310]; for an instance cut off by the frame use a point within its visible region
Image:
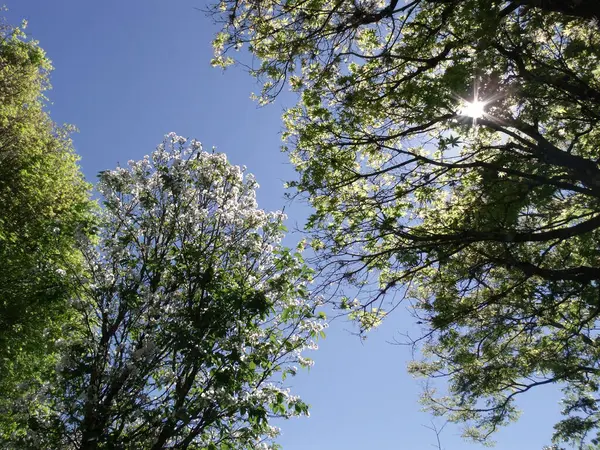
[473, 109]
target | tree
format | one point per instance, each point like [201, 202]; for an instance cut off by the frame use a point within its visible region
[193, 313]
[45, 204]
[450, 150]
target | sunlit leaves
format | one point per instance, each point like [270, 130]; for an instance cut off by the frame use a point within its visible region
[485, 218]
[44, 205]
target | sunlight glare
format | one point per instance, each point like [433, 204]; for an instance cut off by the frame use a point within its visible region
[473, 109]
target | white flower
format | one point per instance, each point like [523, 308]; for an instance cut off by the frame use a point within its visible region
[196, 210]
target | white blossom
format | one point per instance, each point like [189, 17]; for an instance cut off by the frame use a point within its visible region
[182, 240]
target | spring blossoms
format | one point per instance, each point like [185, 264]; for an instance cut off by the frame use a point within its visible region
[192, 315]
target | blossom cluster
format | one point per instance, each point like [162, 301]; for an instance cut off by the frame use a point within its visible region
[193, 311]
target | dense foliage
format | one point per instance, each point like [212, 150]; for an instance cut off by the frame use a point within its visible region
[487, 222]
[194, 314]
[44, 203]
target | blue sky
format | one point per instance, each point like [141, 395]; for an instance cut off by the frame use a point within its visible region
[129, 71]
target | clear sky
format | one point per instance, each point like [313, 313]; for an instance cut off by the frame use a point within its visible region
[129, 71]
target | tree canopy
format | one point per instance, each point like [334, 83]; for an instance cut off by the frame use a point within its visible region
[193, 316]
[450, 150]
[44, 205]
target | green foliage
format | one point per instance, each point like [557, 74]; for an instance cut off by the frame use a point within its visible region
[44, 204]
[489, 226]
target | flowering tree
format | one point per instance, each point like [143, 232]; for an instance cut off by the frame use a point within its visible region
[194, 315]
